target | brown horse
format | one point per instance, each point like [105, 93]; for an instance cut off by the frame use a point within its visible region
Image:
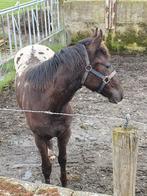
[50, 86]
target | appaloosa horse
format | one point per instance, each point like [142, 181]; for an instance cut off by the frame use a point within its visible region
[50, 85]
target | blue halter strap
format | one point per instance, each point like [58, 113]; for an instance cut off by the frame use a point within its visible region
[105, 78]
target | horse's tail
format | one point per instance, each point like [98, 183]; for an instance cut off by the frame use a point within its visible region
[30, 56]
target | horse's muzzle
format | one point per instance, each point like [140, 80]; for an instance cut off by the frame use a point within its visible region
[116, 97]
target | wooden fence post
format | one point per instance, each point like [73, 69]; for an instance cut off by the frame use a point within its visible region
[125, 148]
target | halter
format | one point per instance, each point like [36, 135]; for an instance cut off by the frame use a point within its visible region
[105, 78]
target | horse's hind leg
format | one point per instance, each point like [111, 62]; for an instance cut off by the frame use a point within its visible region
[62, 143]
[51, 154]
[46, 164]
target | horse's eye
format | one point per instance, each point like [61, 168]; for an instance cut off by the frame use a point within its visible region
[104, 52]
[108, 65]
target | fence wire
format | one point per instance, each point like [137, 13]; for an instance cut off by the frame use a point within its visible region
[71, 115]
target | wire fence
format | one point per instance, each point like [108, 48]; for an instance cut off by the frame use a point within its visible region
[73, 115]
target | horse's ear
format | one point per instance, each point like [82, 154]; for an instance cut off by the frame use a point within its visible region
[95, 32]
[98, 37]
[101, 33]
[92, 32]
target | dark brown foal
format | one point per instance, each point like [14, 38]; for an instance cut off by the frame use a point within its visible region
[49, 86]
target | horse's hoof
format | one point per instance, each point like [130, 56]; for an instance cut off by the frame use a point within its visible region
[47, 181]
[64, 185]
[64, 182]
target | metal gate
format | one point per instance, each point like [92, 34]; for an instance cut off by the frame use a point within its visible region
[26, 24]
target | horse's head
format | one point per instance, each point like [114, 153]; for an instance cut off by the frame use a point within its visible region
[99, 74]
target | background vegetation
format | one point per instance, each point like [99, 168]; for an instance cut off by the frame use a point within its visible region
[8, 3]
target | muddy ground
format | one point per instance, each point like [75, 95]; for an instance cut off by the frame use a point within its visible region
[89, 150]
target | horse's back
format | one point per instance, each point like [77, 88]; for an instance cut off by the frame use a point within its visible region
[31, 55]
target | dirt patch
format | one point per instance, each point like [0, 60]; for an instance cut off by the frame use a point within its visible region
[89, 164]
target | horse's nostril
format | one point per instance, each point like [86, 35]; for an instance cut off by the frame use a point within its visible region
[121, 96]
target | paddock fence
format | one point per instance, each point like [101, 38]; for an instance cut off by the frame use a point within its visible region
[28, 23]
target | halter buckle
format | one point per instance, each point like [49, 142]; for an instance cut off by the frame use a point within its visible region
[106, 79]
[88, 68]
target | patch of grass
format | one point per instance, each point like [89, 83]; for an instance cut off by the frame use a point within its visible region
[9, 3]
[114, 44]
[56, 47]
[7, 80]
[132, 41]
[8, 70]
[8, 67]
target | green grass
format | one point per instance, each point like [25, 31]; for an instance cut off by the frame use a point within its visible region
[56, 47]
[9, 3]
[7, 81]
[9, 70]
[8, 67]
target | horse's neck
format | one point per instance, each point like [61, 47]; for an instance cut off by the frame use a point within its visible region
[64, 91]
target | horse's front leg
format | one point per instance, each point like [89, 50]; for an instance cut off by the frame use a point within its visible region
[62, 143]
[46, 164]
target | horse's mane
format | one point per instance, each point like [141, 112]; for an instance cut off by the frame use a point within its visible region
[71, 58]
